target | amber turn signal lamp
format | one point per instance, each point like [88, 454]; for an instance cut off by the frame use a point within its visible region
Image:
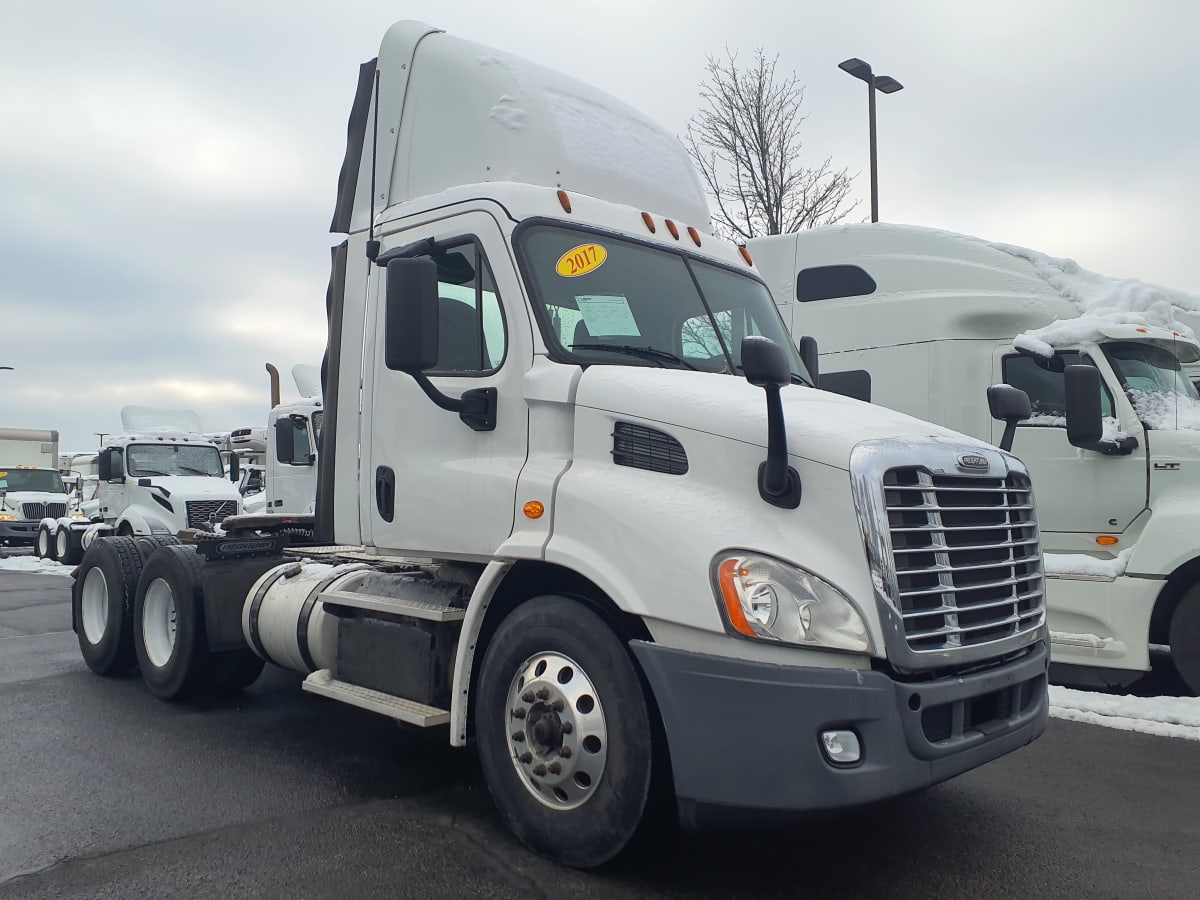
[533, 509]
[745, 254]
[733, 606]
[694, 235]
[1106, 540]
[565, 201]
[649, 220]
[673, 228]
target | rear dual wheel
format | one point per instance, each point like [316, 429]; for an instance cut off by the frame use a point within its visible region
[43, 544]
[102, 600]
[68, 546]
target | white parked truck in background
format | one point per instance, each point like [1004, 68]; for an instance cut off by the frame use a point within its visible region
[161, 477]
[31, 487]
[584, 506]
[292, 439]
[934, 318]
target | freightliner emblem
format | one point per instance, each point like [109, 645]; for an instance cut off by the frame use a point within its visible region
[972, 461]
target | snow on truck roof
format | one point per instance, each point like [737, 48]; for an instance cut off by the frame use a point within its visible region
[997, 290]
[453, 112]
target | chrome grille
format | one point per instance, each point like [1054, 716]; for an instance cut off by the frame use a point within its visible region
[43, 510]
[967, 557]
[200, 511]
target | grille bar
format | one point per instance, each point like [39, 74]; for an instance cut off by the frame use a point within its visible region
[200, 511]
[38, 510]
[978, 578]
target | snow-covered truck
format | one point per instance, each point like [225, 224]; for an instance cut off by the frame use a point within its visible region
[584, 509]
[930, 319]
[162, 476]
[31, 487]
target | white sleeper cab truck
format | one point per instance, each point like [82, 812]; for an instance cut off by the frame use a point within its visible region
[153, 480]
[579, 506]
[31, 487]
[930, 319]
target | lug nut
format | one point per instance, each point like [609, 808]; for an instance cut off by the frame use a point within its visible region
[519, 712]
[526, 757]
[567, 727]
[555, 768]
[558, 705]
[543, 693]
[564, 752]
[527, 697]
[539, 770]
[519, 737]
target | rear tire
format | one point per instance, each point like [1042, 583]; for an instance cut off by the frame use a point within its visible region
[43, 544]
[564, 732]
[168, 623]
[1184, 637]
[102, 599]
[68, 548]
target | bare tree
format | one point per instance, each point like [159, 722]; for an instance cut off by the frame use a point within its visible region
[746, 142]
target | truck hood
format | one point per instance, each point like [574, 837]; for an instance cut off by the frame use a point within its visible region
[194, 487]
[821, 427]
[13, 499]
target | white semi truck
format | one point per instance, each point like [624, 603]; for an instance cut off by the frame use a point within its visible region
[161, 477]
[584, 510]
[928, 320]
[31, 487]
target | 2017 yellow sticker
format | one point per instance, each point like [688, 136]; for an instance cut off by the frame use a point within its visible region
[581, 260]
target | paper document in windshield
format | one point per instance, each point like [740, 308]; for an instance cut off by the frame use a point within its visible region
[607, 314]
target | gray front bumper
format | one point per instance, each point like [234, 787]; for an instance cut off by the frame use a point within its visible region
[19, 530]
[746, 736]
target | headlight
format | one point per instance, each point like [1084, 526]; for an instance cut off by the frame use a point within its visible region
[4, 517]
[766, 598]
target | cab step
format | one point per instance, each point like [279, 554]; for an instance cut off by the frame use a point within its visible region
[409, 711]
[431, 611]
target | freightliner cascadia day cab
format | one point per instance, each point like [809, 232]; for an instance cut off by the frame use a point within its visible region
[934, 318]
[585, 510]
[161, 477]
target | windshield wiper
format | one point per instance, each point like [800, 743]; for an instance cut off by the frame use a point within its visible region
[142, 473]
[651, 353]
[195, 471]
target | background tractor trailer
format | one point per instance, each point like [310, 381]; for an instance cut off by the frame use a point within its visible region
[161, 477]
[30, 485]
[579, 506]
[930, 319]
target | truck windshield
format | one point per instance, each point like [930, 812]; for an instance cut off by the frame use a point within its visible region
[31, 480]
[1160, 391]
[146, 460]
[604, 300]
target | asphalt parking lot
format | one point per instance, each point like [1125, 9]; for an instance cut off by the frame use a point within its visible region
[111, 793]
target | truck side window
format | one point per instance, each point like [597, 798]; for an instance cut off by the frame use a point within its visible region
[292, 446]
[471, 332]
[1047, 388]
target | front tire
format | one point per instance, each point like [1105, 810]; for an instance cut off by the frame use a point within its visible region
[1184, 637]
[168, 623]
[43, 544]
[102, 599]
[564, 732]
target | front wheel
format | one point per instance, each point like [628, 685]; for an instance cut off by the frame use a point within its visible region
[564, 732]
[1184, 636]
[43, 544]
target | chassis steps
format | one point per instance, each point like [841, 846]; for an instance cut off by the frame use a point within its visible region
[409, 711]
[431, 611]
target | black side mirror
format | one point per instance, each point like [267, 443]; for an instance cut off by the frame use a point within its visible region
[411, 339]
[766, 366]
[1011, 405]
[810, 355]
[235, 468]
[1085, 425]
[104, 465]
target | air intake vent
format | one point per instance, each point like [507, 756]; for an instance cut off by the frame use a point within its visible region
[646, 448]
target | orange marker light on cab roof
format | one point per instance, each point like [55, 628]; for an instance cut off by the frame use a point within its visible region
[533, 509]
[1142, 331]
[745, 254]
[673, 228]
[649, 220]
[565, 201]
[1106, 540]
[694, 235]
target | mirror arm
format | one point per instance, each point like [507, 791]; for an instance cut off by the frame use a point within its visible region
[778, 483]
[1010, 432]
[476, 407]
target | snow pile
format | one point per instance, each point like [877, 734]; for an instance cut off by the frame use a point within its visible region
[1082, 564]
[1165, 716]
[31, 565]
[1102, 301]
[1091, 641]
[1166, 411]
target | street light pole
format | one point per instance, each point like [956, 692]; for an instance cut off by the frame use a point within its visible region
[888, 85]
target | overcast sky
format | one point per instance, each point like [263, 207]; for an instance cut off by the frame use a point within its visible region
[168, 171]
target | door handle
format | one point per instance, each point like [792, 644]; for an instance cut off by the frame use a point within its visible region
[385, 492]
